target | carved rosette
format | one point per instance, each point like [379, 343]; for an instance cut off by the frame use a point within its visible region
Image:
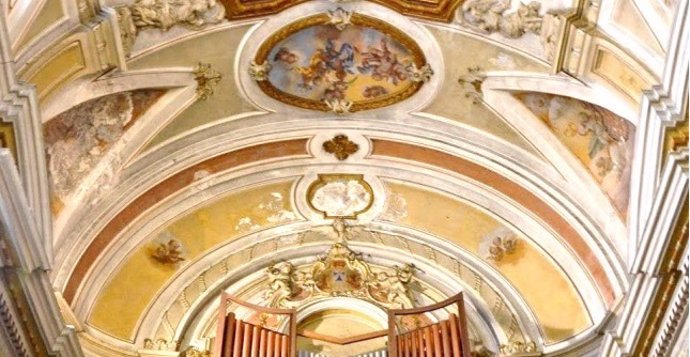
[341, 147]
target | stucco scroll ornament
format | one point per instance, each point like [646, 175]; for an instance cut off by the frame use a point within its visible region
[338, 106]
[207, 80]
[472, 83]
[489, 16]
[340, 272]
[518, 347]
[341, 147]
[500, 246]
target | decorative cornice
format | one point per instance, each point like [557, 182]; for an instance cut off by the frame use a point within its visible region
[24, 272]
[663, 106]
[19, 106]
[9, 321]
[676, 316]
[657, 300]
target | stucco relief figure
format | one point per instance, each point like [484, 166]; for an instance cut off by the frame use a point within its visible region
[395, 287]
[488, 16]
[164, 14]
[280, 287]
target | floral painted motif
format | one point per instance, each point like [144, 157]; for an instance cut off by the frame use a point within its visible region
[351, 64]
[599, 138]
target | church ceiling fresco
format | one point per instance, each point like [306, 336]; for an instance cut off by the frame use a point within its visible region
[334, 57]
[340, 61]
[77, 139]
[601, 140]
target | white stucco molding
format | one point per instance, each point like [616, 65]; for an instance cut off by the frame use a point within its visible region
[80, 92]
[563, 85]
[176, 206]
[607, 217]
[662, 107]
[648, 267]
[235, 133]
[25, 257]
[220, 185]
[19, 106]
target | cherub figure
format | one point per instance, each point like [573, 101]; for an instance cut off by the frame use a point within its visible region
[169, 253]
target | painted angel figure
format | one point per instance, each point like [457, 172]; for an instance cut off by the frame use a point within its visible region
[383, 64]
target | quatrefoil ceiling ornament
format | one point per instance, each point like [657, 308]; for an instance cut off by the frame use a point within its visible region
[340, 61]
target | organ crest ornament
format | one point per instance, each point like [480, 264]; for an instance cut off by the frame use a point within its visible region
[339, 272]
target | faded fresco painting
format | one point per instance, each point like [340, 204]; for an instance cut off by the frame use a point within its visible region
[364, 63]
[602, 140]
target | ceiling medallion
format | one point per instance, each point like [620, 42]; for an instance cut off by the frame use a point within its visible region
[341, 147]
[340, 61]
[340, 272]
[340, 195]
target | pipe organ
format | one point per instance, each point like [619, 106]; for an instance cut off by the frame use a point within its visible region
[377, 353]
[441, 338]
[237, 338]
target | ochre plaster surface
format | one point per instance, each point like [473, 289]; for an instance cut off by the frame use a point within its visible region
[519, 194]
[128, 292]
[538, 278]
[455, 47]
[217, 49]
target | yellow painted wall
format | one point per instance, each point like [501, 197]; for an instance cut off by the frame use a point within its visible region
[130, 290]
[543, 285]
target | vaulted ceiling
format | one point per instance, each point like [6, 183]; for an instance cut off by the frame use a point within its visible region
[189, 147]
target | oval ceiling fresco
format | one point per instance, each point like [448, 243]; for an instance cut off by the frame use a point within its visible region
[340, 61]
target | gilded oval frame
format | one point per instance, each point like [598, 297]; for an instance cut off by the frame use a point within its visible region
[417, 55]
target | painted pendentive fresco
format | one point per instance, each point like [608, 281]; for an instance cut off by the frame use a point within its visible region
[77, 139]
[602, 140]
[340, 61]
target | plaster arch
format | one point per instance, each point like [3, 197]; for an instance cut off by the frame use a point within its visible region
[191, 198]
